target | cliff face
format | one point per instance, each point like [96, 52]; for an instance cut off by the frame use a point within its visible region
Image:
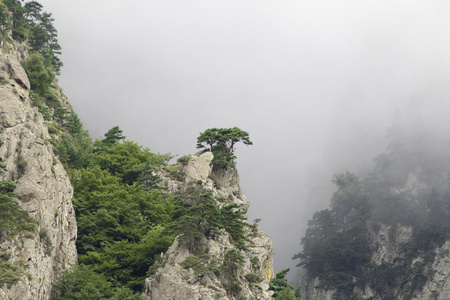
[385, 242]
[422, 273]
[175, 279]
[41, 181]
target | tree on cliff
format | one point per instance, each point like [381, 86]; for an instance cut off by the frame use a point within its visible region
[221, 142]
[282, 289]
[113, 136]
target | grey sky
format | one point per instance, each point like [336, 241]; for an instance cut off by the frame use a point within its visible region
[315, 83]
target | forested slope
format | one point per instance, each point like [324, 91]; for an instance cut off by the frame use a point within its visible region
[384, 236]
[130, 206]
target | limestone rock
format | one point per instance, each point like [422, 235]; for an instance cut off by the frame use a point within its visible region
[17, 72]
[198, 167]
[385, 241]
[438, 286]
[175, 282]
[44, 186]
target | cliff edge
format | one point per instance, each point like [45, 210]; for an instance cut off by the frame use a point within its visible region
[42, 183]
[216, 267]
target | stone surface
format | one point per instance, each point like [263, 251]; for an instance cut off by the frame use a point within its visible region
[16, 72]
[44, 186]
[173, 281]
[438, 287]
[385, 242]
[198, 167]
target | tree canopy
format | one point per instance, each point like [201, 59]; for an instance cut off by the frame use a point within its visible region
[221, 142]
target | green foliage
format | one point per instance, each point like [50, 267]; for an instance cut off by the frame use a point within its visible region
[72, 122]
[202, 218]
[43, 35]
[113, 136]
[2, 167]
[82, 283]
[29, 23]
[3, 80]
[195, 222]
[232, 262]
[193, 262]
[130, 161]
[232, 219]
[74, 150]
[382, 278]
[4, 23]
[201, 262]
[21, 164]
[13, 220]
[253, 278]
[121, 217]
[19, 23]
[41, 76]
[221, 142]
[10, 273]
[256, 264]
[121, 224]
[109, 210]
[184, 160]
[45, 239]
[124, 263]
[335, 247]
[282, 289]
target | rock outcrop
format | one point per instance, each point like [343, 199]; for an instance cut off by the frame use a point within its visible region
[385, 242]
[424, 275]
[43, 184]
[176, 281]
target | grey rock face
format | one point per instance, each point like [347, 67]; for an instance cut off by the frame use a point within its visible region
[385, 242]
[175, 282]
[43, 184]
[198, 167]
[438, 286]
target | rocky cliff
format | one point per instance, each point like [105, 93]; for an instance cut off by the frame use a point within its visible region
[41, 182]
[409, 256]
[185, 273]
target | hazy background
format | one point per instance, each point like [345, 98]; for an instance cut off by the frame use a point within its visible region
[315, 83]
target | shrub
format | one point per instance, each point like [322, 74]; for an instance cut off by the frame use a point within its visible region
[40, 75]
[10, 273]
[21, 165]
[253, 278]
[12, 219]
[184, 160]
[45, 239]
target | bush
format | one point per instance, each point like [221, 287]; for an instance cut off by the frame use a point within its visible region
[184, 159]
[13, 220]
[21, 165]
[9, 273]
[194, 262]
[45, 239]
[40, 75]
[253, 278]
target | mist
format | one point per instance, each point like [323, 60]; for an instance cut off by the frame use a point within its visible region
[315, 83]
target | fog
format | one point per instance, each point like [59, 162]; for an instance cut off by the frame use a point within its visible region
[315, 83]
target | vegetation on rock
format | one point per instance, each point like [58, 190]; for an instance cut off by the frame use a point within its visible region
[282, 289]
[30, 24]
[13, 220]
[124, 219]
[336, 247]
[221, 142]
